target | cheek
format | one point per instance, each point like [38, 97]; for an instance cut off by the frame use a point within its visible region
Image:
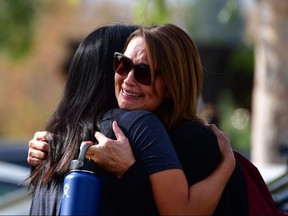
[161, 87]
[157, 96]
[118, 81]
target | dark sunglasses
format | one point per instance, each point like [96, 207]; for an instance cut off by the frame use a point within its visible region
[122, 65]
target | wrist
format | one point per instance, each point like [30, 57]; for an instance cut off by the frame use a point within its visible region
[228, 163]
[125, 168]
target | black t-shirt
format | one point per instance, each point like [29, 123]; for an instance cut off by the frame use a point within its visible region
[196, 147]
[153, 151]
[198, 151]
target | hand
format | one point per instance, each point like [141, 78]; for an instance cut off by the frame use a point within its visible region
[38, 148]
[115, 156]
[224, 146]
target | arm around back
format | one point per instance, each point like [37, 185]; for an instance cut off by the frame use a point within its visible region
[153, 149]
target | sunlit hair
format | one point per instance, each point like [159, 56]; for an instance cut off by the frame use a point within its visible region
[89, 93]
[171, 52]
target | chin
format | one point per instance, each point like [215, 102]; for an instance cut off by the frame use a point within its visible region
[125, 107]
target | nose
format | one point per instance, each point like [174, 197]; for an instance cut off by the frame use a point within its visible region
[130, 78]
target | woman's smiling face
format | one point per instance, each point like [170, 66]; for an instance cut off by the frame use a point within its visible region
[131, 94]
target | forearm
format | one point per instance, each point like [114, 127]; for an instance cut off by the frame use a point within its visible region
[207, 193]
[199, 199]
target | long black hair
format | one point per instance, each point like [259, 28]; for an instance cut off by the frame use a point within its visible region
[89, 93]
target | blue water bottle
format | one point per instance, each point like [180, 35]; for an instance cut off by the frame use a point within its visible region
[81, 192]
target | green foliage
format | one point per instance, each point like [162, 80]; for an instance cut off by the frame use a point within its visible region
[242, 59]
[215, 22]
[148, 12]
[16, 23]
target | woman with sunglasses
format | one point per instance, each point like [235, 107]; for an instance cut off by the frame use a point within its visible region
[160, 71]
[88, 95]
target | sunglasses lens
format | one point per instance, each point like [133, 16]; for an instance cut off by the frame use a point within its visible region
[142, 74]
[121, 65]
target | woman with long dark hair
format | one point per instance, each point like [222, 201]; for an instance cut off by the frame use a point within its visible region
[87, 106]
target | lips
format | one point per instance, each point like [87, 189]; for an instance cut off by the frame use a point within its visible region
[130, 94]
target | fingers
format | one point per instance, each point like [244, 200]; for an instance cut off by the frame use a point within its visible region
[87, 145]
[215, 129]
[100, 137]
[219, 134]
[35, 162]
[42, 135]
[39, 140]
[227, 156]
[90, 143]
[117, 131]
[222, 137]
[91, 151]
[38, 148]
[94, 152]
[115, 156]
[38, 145]
[36, 157]
[212, 127]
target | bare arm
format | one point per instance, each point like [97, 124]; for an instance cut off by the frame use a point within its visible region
[170, 188]
[203, 196]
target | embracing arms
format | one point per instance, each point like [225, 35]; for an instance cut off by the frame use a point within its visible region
[171, 191]
[170, 188]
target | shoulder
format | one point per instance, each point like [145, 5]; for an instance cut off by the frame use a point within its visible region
[196, 137]
[193, 129]
[132, 122]
[135, 114]
[149, 140]
[127, 119]
[137, 117]
[197, 149]
[119, 114]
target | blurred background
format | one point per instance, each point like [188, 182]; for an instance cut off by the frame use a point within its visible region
[243, 46]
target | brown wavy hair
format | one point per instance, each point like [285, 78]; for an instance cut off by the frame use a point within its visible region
[172, 53]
